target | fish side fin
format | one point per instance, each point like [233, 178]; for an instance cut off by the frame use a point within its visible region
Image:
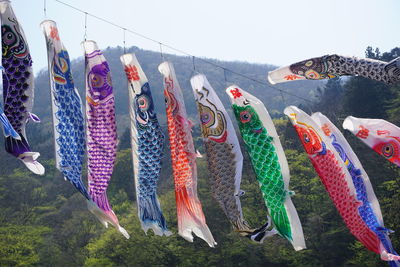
[34, 117]
[105, 217]
[151, 216]
[191, 217]
[240, 193]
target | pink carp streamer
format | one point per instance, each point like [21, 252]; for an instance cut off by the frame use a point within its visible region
[101, 133]
[191, 218]
[334, 175]
[380, 135]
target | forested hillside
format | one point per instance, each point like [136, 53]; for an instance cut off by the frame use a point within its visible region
[44, 222]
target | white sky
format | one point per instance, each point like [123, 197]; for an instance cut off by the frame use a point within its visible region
[277, 32]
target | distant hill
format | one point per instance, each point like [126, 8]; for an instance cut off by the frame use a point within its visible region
[40, 135]
[150, 60]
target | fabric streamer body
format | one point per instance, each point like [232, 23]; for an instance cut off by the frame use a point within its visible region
[270, 166]
[369, 209]
[380, 135]
[224, 157]
[18, 87]
[334, 175]
[101, 133]
[331, 66]
[183, 156]
[68, 120]
[147, 141]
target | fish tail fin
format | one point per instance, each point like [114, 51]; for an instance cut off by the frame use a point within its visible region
[151, 216]
[242, 227]
[191, 217]
[296, 229]
[387, 251]
[20, 149]
[260, 234]
[101, 209]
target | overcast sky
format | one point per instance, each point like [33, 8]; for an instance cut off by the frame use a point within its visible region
[277, 32]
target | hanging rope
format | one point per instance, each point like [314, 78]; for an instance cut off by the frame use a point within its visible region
[183, 52]
[161, 52]
[85, 35]
[194, 63]
[124, 41]
[44, 9]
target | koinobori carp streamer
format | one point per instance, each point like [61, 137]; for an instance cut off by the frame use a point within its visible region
[224, 157]
[369, 208]
[190, 214]
[270, 166]
[101, 133]
[18, 87]
[380, 135]
[68, 120]
[331, 66]
[147, 140]
[334, 175]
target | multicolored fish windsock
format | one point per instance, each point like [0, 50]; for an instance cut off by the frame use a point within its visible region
[18, 87]
[331, 66]
[369, 208]
[224, 157]
[68, 120]
[334, 175]
[147, 140]
[380, 135]
[101, 132]
[183, 156]
[270, 166]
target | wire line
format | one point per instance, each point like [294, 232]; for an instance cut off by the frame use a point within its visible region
[182, 52]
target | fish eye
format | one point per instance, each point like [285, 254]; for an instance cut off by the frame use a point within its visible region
[387, 150]
[143, 103]
[205, 118]
[97, 81]
[9, 38]
[245, 116]
[306, 138]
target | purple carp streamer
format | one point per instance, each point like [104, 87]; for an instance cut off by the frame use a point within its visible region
[224, 157]
[331, 66]
[147, 140]
[68, 120]
[18, 87]
[101, 133]
[380, 135]
[190, 214]
[369, 208]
